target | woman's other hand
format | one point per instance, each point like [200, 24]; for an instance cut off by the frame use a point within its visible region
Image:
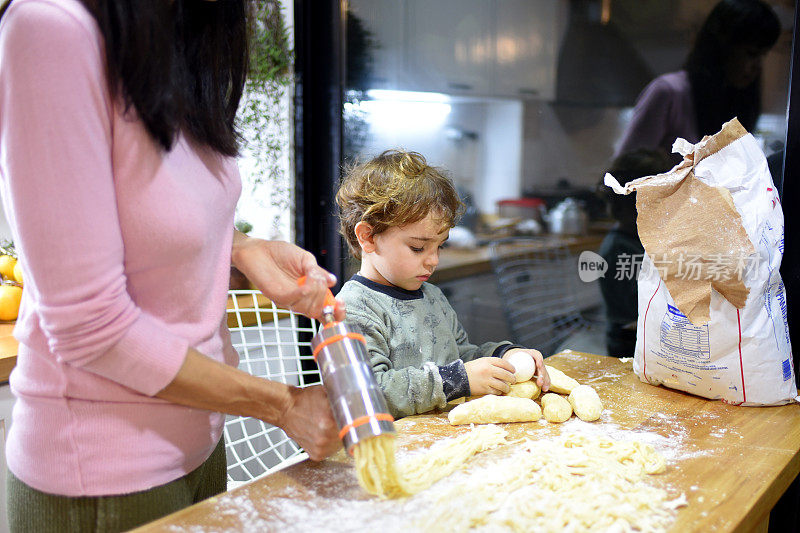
[309, 421]
[274, 268]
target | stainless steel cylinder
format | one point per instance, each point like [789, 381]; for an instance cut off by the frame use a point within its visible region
[357, 401]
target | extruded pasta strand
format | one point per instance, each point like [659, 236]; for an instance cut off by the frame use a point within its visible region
[378, 473]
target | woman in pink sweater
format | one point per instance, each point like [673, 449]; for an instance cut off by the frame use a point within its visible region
[117, 168]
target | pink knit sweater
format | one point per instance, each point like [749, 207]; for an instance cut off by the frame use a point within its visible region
[126, 253]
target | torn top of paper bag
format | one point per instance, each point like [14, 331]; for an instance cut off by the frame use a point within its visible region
[692, 232]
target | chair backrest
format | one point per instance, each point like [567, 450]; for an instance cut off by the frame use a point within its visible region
[275, 344]
[537, 282]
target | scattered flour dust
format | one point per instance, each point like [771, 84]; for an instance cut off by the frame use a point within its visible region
[590, 477]
[673, 446]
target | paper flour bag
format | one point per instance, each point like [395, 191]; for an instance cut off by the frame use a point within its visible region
[712, 306]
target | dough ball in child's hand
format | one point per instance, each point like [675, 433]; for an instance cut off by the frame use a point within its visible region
[524, 365]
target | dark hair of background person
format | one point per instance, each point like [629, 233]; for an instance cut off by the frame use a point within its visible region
[731, 24]
[181, 65]
[627, 167]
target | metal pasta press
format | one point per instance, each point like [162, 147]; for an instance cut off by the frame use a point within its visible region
[357, 401]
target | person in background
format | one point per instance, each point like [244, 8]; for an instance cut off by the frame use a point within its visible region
[720, 80]
[623, 251]
[118, 175]
[396, 212]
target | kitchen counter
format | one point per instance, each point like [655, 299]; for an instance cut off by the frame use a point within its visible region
[731, 463]
[8, 350]
[455, 263]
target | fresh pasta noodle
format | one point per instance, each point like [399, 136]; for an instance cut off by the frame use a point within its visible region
[376, 467]
[572, 483]
[566, 483]
[379, 474]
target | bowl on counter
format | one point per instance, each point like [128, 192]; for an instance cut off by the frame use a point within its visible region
[522, 208]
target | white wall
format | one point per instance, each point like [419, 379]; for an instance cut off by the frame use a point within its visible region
[478, 143]
[502, 162]
[5, 230]
[269, 206]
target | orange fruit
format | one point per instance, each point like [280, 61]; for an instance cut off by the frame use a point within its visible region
[7, 264]
[10, 297]
[18, 272]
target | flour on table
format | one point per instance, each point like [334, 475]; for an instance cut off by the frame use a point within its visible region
[570, 483]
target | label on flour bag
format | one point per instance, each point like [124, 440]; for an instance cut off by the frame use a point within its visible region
[682, 339]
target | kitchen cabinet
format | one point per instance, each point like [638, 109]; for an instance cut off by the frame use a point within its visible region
[527, 39]
[384, 21]
[6, 404]
[8, 359]
[449, 46]
[477, 304]
[493, 48]
[466, 278]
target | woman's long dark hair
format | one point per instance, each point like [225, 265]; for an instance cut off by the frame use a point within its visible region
[180, 64]
[731, 23]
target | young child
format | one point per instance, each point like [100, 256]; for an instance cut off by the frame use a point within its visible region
[396, 213]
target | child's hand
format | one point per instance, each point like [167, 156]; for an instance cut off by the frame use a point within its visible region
[542, 378]
[489, 375]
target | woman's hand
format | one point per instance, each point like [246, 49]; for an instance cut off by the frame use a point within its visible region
[275, 266]
[309, 421]
[304, 414]
[489, 375]
[542, 378]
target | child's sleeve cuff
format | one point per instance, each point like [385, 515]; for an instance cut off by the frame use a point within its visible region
[455, 381]
[503, 348]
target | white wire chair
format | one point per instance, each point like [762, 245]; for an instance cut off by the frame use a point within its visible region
[276, 344]
[543, 299]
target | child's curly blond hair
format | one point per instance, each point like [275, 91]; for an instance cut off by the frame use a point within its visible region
[394, 189]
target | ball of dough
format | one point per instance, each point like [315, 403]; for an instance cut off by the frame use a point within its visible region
[559, 381]
[524, 365]
[526, 389]
[492, 409]
[586, 403]
[556, 408]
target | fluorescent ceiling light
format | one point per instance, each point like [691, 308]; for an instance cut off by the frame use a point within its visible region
[409, 116]
[407, 96]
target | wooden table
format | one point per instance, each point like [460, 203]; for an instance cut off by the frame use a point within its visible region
[732, 463]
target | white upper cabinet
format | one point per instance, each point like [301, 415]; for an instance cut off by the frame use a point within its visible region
[527, 39]
[505, 48]
[384, 20]
[449, 46]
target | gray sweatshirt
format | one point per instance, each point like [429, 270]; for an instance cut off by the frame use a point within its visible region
[416, 344]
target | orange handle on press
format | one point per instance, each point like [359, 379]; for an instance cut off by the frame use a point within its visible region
[330, 301]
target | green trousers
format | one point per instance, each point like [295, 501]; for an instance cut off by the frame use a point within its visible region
[30, 510]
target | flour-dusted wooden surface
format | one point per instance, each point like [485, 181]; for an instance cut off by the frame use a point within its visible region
[731, 463]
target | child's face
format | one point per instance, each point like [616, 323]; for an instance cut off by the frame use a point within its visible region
[404, 256]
